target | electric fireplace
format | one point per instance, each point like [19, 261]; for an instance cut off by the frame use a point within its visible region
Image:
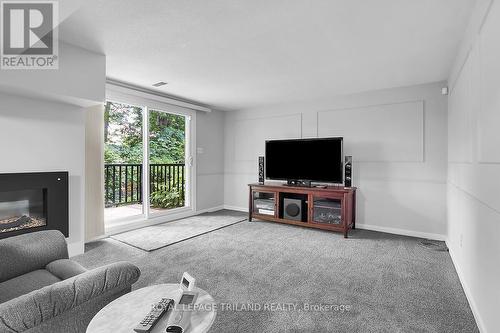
[32, 202]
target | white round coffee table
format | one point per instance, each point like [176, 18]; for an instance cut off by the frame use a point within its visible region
[124, 313]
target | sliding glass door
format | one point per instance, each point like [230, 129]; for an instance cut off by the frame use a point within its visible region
[147, 172]
[123, 162]
[167, 161]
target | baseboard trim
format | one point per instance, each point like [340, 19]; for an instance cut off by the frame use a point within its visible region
[468, 293]
[403, 232]
[210, 210]
[239, 209]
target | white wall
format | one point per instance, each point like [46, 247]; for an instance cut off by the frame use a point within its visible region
[398, 141]
[42, 123]
[474, 165]
[210, 160]
[41, 136]
[80, 79]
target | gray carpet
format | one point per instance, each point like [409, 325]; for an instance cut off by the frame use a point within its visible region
[392, 283]
[161, 235]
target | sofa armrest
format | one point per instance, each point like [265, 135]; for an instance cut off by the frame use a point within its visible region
[30, 310]
[29, 252]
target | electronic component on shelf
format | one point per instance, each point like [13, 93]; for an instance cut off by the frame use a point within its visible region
[264, 204]
[293, 209]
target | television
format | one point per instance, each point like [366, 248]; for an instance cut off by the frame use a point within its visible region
[311, 160]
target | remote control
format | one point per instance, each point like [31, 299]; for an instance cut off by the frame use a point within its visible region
[154, 315]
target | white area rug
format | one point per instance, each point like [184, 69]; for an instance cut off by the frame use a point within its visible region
[161, 235]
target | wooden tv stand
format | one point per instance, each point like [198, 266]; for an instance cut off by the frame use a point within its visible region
[329, 208]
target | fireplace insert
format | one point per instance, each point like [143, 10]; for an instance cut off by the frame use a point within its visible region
[32, 202]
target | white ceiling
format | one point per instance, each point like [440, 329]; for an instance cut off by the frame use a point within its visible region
[235, 54]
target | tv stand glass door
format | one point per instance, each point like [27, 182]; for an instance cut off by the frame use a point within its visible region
[264, 203]
[327, 210]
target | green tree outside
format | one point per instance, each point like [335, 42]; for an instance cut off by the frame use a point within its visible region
[123, 135]
[123, 127]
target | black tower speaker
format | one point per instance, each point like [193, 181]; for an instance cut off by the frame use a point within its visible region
[348, 171]
[261, 170]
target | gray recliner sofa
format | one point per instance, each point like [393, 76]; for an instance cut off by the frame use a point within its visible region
[42, 290]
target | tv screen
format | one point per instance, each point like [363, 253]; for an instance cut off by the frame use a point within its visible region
[319, 160]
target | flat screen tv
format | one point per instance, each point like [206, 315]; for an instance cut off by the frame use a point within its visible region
[315, 160]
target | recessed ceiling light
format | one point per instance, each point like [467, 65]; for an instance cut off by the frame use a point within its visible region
[159, 84]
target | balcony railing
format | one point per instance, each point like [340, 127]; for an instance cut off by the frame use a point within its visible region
[123, 183]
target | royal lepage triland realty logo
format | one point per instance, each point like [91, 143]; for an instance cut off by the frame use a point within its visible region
[29, 36]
